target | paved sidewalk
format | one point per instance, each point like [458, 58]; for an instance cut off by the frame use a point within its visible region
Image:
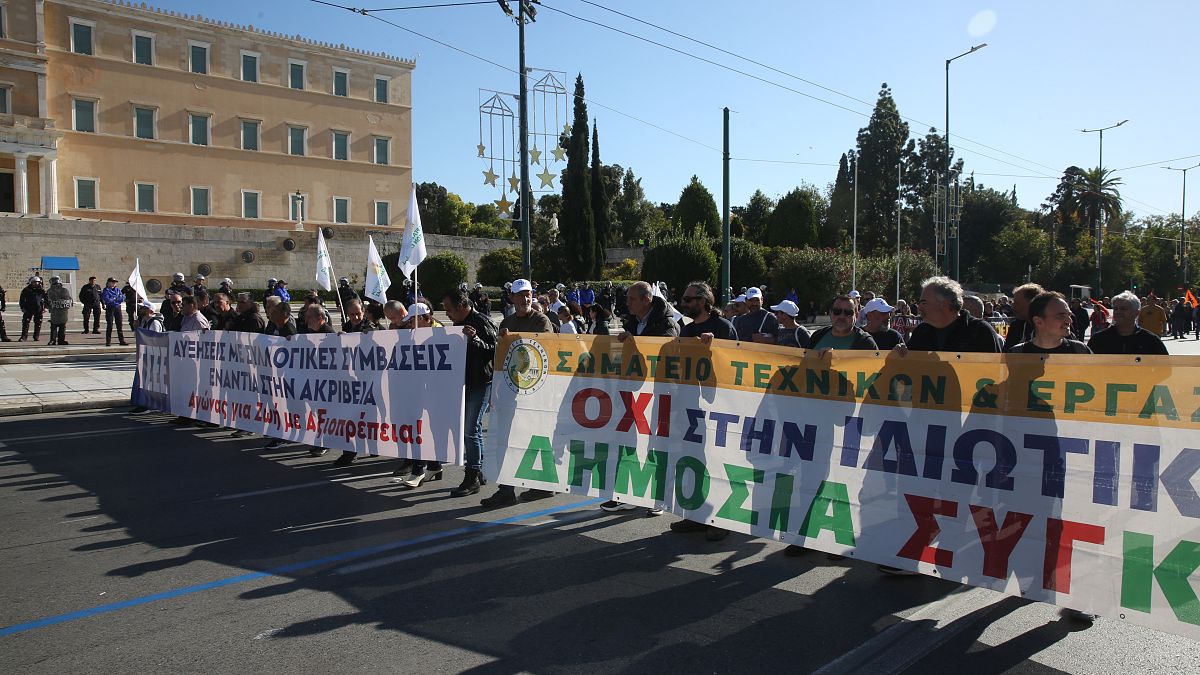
[52, 387]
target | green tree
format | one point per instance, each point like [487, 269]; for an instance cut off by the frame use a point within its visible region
[747, 267]
[796, 219]
[835, 231]
[453, 215]
[985, 213]
[577, 228]
[499, 266]
[1096, 196]
[696, 209]
[431, 197]
[679, 259]
[600, 207]
[754, 217]
[1010, 252]
[882, 145]
[439, 273]
[632, 211]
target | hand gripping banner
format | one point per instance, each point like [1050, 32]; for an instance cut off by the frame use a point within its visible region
[1064, 479]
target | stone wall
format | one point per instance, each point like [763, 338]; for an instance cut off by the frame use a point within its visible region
[106, 248]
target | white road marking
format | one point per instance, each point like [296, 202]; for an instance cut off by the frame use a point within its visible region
[268, 633]
[299, 486]
[77, 434]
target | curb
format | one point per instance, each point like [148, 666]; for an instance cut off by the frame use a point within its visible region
[65, 406]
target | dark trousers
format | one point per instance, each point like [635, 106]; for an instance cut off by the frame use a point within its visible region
[26, 317]
[112, 315]
[58, 333]
[94, 312]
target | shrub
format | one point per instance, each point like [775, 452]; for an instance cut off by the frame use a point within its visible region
[747, 267]
[499, 266]
[628, 269]
[437, 274]
[679, 260]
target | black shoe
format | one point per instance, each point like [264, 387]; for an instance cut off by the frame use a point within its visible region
[535, 494]
[688, 526]
[470, 484]
[137, 410]
[21, 339]
[715, 534]
[182, 421]
[124, 344]
[85, 331]
[895, 571]
[403, 468]
[346, 459]
[505, 496]
[275, 443]
[318, 452]
[63, 342]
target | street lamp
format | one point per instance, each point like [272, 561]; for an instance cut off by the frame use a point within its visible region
[957, 235]
[1183, 222]
[299, 201]
[1101, 132]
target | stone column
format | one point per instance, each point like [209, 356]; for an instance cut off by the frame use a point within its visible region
[21, 182]
[50, 186]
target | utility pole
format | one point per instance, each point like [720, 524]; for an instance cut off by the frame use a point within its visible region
[972, 50]
[1183, 224]
[898, 189]
[725, 277]
[854, 234]
[525, 11]
[1100, 219]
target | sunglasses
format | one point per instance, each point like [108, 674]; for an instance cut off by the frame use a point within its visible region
[689, 298]
[841, 312]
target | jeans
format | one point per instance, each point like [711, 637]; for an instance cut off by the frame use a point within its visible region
[476, 405]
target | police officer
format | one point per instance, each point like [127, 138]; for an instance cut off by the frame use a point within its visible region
[270, 288]
[179, 285]
[59, 300]
[345, 293]
[89, 296]
[3, 306]
[33, 306]
[227, 287]
[199, 285]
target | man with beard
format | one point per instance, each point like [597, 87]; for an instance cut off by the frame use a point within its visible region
[841, 333]
[757, 324]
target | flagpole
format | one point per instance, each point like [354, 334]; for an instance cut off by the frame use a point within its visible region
[337, 292]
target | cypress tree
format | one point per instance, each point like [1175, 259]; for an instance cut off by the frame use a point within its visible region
[600, 216]
[577, 222]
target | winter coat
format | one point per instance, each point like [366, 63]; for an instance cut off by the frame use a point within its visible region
[152, 322]
[33, 300]
[89, 295]
[113, 297]
[658, 324]
[59, 300]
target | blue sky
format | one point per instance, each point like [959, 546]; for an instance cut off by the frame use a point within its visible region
[1050, 69]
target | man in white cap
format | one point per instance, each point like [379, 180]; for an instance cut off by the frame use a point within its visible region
[789, 333]
[757, 324]
[524, 319]
[419, 316]
[878, 313]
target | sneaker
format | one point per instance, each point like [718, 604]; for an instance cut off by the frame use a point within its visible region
[317, 452]
[534, 495]
[657, 510]
[238, 433]
[612, 506]
[346, 459]
[275, 443]
[688, 526]
[505, 496]
[1082, 616]
[895, 571]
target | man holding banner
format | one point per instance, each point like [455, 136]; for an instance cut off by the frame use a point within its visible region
[481, 352]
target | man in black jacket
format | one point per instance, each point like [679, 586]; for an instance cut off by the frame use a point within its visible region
[1020, 329]
[89, 297]
[947, 327]
[481, 337]
[33, 308]
[647, 314]
[248, 319]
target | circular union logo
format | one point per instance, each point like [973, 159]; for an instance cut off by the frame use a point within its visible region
[525, 366]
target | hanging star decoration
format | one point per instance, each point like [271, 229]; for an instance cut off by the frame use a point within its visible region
[481, 147]
[489, 178]
[535, 156]
[503, 205]
[514, 183]
[547, 178]
[567, 129]
[559, 153]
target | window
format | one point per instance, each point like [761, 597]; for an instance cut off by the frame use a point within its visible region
[85, 115]
[143, 48]
[145, 195]
[143, 122]
[200, 196]
[81, 36]
[341, 82]
[341, 209]
[382, 215]
[5, 100]
[381, 89]
[198, 57]
[296, 210]
[198, 128]
[381, 150]
[249, 66]
[85, 193]
[250, 199]
[296, 74]
[341, 145]
[297, 140]
[250, 134]
[3, 21]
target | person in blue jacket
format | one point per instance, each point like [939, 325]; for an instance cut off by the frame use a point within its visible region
[282, 291]
[113, 300]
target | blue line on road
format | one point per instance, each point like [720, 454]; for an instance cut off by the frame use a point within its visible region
[284, 569]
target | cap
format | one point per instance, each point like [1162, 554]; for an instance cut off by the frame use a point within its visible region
[855, 294]
[878, 305]
[146, 304]
[521, 285]
[556, 305]
[281, 282]
[787, 307]
[753, 292]
[559, 287]
[110, 280]
[416, 309]
[740, 298]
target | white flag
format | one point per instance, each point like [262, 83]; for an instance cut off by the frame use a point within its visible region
[378, 280]
[135, 280]
[324, 263]
[412, 251]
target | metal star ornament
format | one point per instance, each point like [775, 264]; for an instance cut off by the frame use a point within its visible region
[559, 153]
[567, 129]
[504, 205]
[547, 178]
[535, 156]
[481, 147]
[514, 183]
[489, 178]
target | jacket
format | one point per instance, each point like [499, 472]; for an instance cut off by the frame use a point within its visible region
[481, 349]
[658, 324]
[33, 300]
[113, 297]
[60, 304]
[862, 339]
[152, 322]
[249, 321]
[89, 295]
[964, 334]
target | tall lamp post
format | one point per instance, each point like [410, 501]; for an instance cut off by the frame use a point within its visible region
[1100, 220]
[1183, 223]
[957, 235]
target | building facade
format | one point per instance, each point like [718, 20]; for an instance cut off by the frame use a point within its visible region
[122, 113]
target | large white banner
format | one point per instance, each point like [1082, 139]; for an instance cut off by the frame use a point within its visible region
[1070, 480]
[396, 393]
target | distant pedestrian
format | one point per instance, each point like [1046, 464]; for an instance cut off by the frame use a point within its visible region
[113, 299]
[89, 297]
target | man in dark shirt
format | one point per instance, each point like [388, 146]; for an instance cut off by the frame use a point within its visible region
[698, 304]
[356, 320]
[1020, 329]
[282, 324]
[1054, 325]
[757, 324]
[248, 318]
[878, 313]
[1124, 336]
[947, 326]
[789, 333]
[89, 295]
[841, 333]
[1079, 319]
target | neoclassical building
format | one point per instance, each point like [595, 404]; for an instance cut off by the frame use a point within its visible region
[125, 113]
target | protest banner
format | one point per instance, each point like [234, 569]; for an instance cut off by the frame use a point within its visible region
[151, 378]
[1066, 479]
[396, 393]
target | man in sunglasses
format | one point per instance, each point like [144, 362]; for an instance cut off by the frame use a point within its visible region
[698, 304]
[842, 333]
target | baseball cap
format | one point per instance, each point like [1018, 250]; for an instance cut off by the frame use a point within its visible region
[740, 298]
[878, 305]
[753, 292]
[146, 304]
[855, 294]
[520, 286]
[416, 309]
[110, 280]
[787, 307]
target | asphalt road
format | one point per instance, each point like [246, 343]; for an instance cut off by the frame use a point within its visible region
[132, 545]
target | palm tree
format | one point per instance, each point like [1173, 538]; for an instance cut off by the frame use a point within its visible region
[1095, 195]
